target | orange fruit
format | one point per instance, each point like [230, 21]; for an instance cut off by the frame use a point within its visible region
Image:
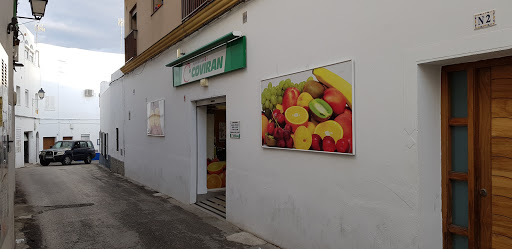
[302, 138]
[329, 128]
[296, 116]
[264, 124]
[223, 177]
[216, 167]
[214, 181]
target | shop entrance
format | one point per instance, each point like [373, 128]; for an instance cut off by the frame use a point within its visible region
[211, 160]
[477, 154]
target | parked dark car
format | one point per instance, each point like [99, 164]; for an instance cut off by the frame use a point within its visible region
[68, 151]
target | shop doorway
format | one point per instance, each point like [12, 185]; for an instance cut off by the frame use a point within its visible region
[476, 148]
[212, 158]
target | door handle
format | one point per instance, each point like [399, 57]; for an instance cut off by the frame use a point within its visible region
[483, 192]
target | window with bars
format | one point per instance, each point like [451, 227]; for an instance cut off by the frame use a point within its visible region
[4, 73]
[190, 7]
[157, 4]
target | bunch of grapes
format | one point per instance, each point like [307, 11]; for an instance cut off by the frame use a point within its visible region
[271, 96]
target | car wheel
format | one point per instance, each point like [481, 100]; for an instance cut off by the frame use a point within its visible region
[87, 160]
[45, 163]
[66, 160]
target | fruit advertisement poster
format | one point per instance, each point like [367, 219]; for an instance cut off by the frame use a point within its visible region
[310, 110]
[155, 112]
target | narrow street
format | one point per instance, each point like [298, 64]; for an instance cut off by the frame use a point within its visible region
[85, 206]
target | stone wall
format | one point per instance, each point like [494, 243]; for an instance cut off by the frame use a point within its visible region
[116, 166]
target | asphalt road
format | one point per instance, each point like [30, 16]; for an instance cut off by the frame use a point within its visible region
[85, 206]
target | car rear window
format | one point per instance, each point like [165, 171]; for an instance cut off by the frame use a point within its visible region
[90, 145]
[63, 144]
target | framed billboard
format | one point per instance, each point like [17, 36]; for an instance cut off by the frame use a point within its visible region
[155, 118]
[311, 110]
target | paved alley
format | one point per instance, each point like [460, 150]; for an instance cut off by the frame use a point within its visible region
[85, 206]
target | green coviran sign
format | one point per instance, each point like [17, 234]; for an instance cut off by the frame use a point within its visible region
[226, 58]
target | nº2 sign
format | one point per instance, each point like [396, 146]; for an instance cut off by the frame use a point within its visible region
[485, 19]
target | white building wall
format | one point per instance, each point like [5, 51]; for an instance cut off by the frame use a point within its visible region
[386, 196]
[66, 74]
[27, 79]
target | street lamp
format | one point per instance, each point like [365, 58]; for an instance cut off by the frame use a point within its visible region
[40, 93]
[38, 8]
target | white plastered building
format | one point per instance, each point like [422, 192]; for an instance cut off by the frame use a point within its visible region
[71, 79]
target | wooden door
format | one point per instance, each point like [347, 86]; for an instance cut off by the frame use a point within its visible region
[48, 142]
[499, 219]
[477, 155]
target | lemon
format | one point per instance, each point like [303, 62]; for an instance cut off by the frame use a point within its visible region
[329, 128]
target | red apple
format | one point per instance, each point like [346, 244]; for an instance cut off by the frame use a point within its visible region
[316, 142]
[336, 100]
[350, 142]
[343, 145]
[290, 96]
[347, 113]
[345, 120]
[329, 144]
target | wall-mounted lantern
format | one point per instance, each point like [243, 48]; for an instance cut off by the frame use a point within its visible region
[38, 8]
[40, 93]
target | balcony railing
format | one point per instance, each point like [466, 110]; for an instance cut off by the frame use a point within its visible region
[130, 46]
[191, 7]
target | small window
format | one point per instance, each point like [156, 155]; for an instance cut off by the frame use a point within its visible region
[83, 145]
[86, 137]
[117, 139]
[157, 4]
[18, 95]
[89, 144]
[133, 18]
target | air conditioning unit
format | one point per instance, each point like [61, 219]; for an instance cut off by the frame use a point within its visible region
[88, 93]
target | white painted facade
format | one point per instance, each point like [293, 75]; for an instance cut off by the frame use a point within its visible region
[27, 81]
[386, 196]
[66, 110]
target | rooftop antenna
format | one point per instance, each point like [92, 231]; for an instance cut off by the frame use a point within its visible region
[120, 23]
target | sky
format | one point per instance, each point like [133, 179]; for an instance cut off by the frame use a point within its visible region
[90, 24]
